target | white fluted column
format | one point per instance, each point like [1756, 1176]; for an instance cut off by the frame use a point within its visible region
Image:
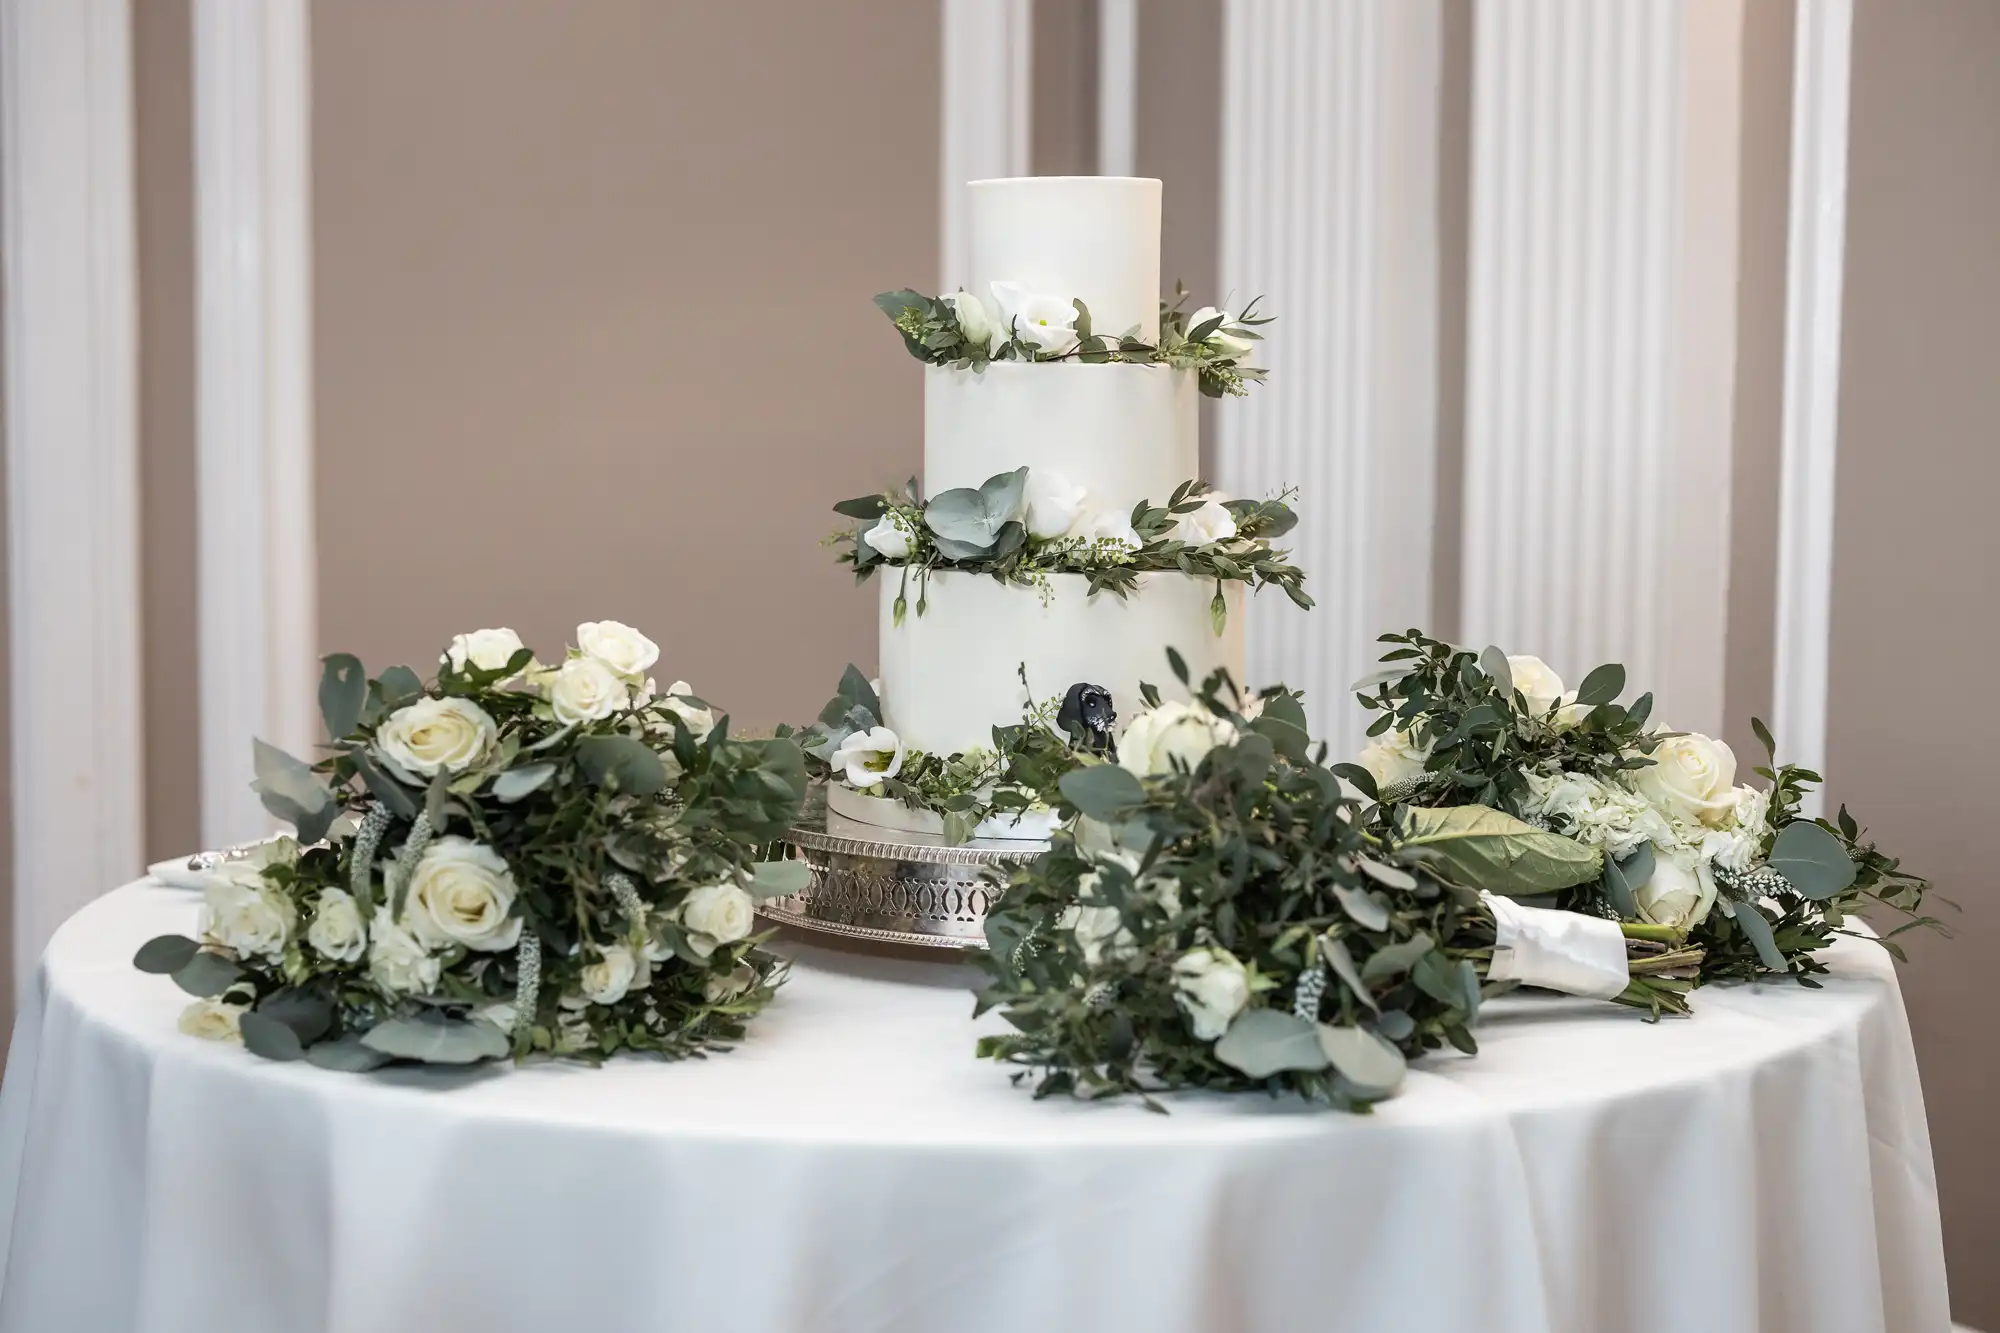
[1601, 339]
[988, 48]
[1329, 167]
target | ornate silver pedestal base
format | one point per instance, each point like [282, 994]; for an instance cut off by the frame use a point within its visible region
[873, 883]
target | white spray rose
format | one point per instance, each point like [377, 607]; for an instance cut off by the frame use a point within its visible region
[869, 756]
[1679, 894]
[1393, 758]
[1212, 987]
[1211, 523]
[1112, 527]
[1100, 933]
[398, 962]
[1221, 340]
[1692, 778]
[973, 321]
[337, 932]
[890, 536]
[1053, 501]
[699, 721]
[432, 736]
[1173, 731]
[721, 988]
[583, 689]
[1535, 681]
[718, 914]
[462, 893]
[607, 978]
[487, 649]
[244, 914]
[1043, 321]
[212, 1020]
[625, 650]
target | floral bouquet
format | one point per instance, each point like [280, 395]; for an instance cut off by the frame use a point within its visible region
[513, 858]
[1758, 887]
[1221, 915]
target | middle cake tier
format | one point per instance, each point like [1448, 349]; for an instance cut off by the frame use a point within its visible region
[953, 673]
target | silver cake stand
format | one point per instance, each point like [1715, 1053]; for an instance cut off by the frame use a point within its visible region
[890, 887]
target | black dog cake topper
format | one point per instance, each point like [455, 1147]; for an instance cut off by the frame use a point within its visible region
[1086, 714]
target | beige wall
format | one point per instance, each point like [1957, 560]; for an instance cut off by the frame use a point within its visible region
[1917, 555]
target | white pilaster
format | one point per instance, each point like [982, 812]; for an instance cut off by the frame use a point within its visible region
[254, 397]
[72, 459]
[1117, 87]
[1601, 339]
[988, 48]
[1816, 249]
[1329, 167]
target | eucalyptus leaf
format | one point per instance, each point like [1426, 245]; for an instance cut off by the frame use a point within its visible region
[164, 955]
[1494, 663]
[1369, 912]
[1394, 877]
[1811, 859]
[1487, 849]
[207, 975]
[384, 787]
[1601, 686]
[1337, 956]
[438, 1041]
[1362, 1057]
[1263, 1042]
[399, 685]
[347, 1054]
[517, 783]
[1623, 879]
[623, 762]
[1757, 929]
[307, 1013]
[293, 792]
[1102, 791]
[972, 519]
[778, 879]
[1392, 960]
[266, 1036]
[343, 693]
[1283, 723]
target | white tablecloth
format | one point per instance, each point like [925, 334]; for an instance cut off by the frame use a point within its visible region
[1764, 1166]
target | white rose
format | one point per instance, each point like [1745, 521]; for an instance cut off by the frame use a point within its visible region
[1110, 526]
[1173, 731]
[721, 988]
[437, 735]
[212, 1020]
[625, 650]
[1211, 523]
[1393, 758]
[1692, 778]
[1043, 321]
[869, 756]
[462, 893]
[890, 536]
[1212, 987]
[242, 913]
[486, 649]
[973, 321]
[337, 931]
[698, 721]
[1100, 933]
[584, 689]
[1679, 894]
[1536, 682]
[397, 960]
[606, 979]
[1053, 503]
[1571, 715]
[718, 914]
[1221, 340]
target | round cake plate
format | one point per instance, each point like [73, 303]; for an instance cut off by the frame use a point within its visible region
[892, 887]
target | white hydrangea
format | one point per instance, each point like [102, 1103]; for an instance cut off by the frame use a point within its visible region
[1600, 814]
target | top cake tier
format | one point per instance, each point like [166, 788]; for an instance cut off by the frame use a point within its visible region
[1091, 238]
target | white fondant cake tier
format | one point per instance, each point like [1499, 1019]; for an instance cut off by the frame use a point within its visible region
[950, 676]
[1096, 238]
[1125, 433]
[879, 812]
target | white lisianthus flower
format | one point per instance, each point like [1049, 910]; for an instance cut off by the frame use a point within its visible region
[337, 932]
[212, 1020]
[698, 721]
[1110, 526]
[869, 756]
[432, 736]
[978, 327]
[1680, 893]
[1393, 758]
[1692, 778]
[1211, 523]
[721, 988]
[584, 689]
[890, 537]
[462, 893]
[1535, 681]
[1053, 501]
[1045, 322]
[486, 649]
[1155, 739]
[244, 914]
[398, 962]
[1100, 933]
[1221, 340]
[1211, 987]
[625, 650]
[717, 914]
[607, 978]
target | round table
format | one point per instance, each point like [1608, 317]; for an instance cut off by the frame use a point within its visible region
[1763, 1166]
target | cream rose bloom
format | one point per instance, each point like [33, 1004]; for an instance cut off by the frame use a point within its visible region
[462, 893]
[433, 736]
[1053, 501]
[1535, 681]
[337, 932]
[1221, 340]
[1393, 758]
[890, 537]
[242, 913]
[1173, 731]
[1680, 893]
[1045, 322]
[721, 988]
[212, 1020]
[625, 650]
[398, 962]
[583, 690]
[1211, 987]
[1692, 778]
[973, 321]
[698, 721]
[607, 978]
[487, 649]
[717, 914]
[1100, 933]
[1211, 523]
